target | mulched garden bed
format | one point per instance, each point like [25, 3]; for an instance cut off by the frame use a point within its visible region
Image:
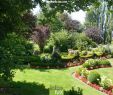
[69, 64]
[97, 87]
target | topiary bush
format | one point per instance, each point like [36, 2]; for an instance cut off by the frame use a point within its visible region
[94, 77]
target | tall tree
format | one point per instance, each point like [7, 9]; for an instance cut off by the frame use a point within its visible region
[101, 17]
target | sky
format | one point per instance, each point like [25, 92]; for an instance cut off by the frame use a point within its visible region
[80, 15]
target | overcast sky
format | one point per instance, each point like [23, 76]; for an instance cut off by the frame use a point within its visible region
[80, 15]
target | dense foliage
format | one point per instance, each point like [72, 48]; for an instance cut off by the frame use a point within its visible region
[40, 35]
[64, 40]
[13, 51]
[95, 34]
[30, 23]
[96, 63]
[94, 77]
[70, 24]
[11, 12]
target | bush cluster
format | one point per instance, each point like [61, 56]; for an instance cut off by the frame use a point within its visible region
[46, 60]
[94, 34]
[95, 63]
[65, 40]
[105, 82]
[95, 77]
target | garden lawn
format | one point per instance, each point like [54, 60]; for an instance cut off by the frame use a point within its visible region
[44, 78]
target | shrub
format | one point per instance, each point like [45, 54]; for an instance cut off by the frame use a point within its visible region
[32, 58]
[112, 54]
[90, 63]
[82, 42]
[79, 70]
[90, 54]
[94, 34]
[96, 62]
[83, 53]
[86, 54]
[94, 77]
[48, 49]
[106, 82]
[104, 62]
[56, 57]
[70, 24]
[86, 65]
[82, 71]
[85, 73]
[40, 35]
[99, 51]
[67, 56]
[107, 49]
[45, 58]
[64, 40]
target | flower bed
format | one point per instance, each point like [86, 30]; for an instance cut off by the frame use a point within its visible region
[96, 63]
[97, 87]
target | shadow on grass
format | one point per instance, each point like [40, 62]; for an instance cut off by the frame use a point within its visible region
[24, 88]
[49, 69]
[78, 91]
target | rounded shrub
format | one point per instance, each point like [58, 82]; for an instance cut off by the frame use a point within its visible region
[90, 63]
[86, 65]
[104, 62]
[94, 77]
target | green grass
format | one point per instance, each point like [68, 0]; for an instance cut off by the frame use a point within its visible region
[38, 81]
[45, 78]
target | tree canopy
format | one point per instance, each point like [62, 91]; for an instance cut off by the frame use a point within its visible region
[11, 11]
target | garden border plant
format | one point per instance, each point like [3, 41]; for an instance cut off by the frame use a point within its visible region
[91, 64]
[95, 80]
